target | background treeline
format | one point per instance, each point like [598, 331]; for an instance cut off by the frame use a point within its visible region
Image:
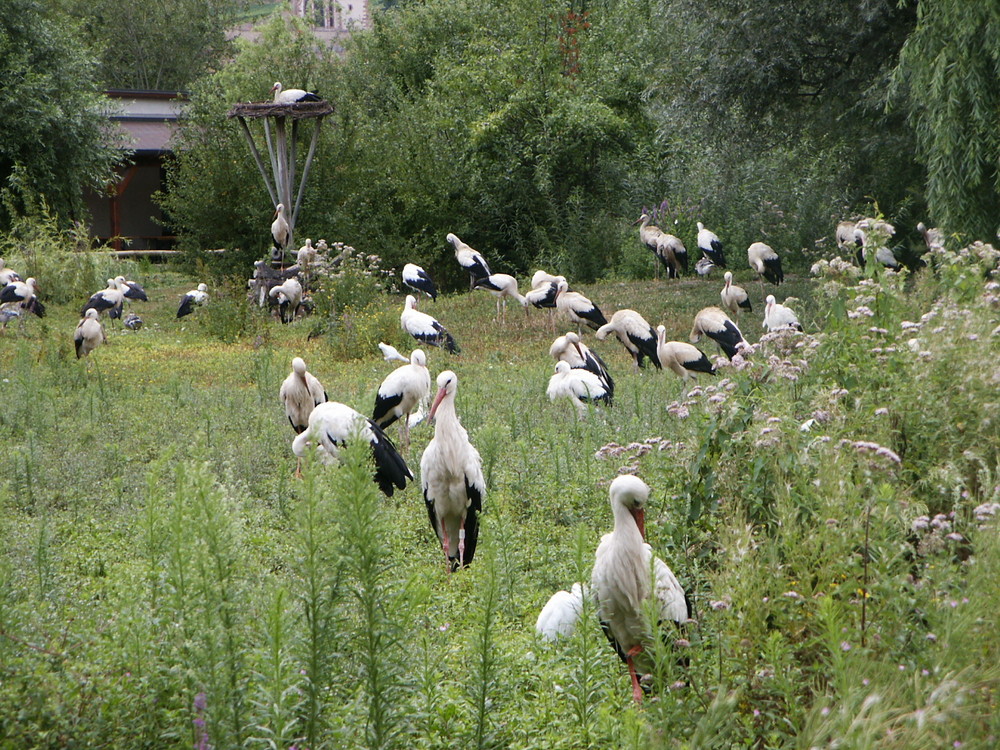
[537, 131]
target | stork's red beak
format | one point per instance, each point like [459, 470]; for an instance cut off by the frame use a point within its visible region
[639, 514]
[442, 392]
[579, 350]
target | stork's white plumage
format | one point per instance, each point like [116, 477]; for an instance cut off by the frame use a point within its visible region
[636, 335]
[451, 472]
[778, 316]
[24, 294]
[191, 300]
[291, 96]
[672, 253]
[469, 259]
[131, 289]
[711, 246]
[577, 308]
[561, 613]
[401, 392]
[332, 424]
[649, 235]
[307, 255]
[502, 286]
[734, 298]
[683, 359]
[765, 262]
[626, 574]
[89, 333]
[425, 328]
[544, 288]
[108, 300]
[714, 323]
[933, 237]
[576, 385]
[570, 349]
[7, 275]
[391, 353]
[418, 279]
[704, 266]
[873, 235]
[846, 239]
[288, 295]
[300, 393]
[280, 230]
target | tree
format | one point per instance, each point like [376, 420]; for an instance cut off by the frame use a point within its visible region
[947, 77]
[163, 45]
[55, 138]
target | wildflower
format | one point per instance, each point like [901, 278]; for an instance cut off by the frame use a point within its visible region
[865, 682]
[881, 411]
[845, 646]
[721, 604]
[682, 643]
[792, 595]
[825, 711]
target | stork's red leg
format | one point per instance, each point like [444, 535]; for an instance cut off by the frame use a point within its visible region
[461, 543]
[636, 688]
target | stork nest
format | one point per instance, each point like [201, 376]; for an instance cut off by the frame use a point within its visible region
[296, 110]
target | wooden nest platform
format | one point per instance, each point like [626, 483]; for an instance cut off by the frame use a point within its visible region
[294, 111]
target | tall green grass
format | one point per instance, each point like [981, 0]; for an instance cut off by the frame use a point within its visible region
[166, 582]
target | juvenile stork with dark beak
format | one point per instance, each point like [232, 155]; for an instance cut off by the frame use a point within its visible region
[300, 393]
[451, 472]
[469, 259]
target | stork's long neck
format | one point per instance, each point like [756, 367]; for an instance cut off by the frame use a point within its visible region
[447, 425]
[626, 528]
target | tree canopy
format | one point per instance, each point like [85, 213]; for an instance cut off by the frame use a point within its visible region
[55, 138]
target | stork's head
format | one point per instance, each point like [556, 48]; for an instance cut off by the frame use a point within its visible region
[299, 366]
[447, 383]
[770, 300]
[630, 493]
[279, 210]
[728, 277]
[411, 302]
[452, 238]
[573, 338]
[91, 313]
[562, 367]
[203, 287]
[417, 357]
[700, 226]
[661, 334]
[276, 88]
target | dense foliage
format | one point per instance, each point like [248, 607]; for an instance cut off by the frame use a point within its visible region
[55, 137]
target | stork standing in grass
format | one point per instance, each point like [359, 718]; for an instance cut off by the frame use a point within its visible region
[131, 289]
[672, 253]
[300, 393]
[625, 576]
[89, 333]
[714, 323]
[577, 308]
[577, 385]
[469, 259]
[766, 263]
[292, 96]
[451, 472]
[635, 334]
[191, 300]
[734, 298]
[108, 300]
[288, 295]
[683, 359]
[570, 349]
[402, 391]
[425, 328]
[332, 424]
[419, 280]
[649, 235]
[777, 317]
[502, 286]
[281, 233]
[544, 288]
[25, 295]
[711, 246]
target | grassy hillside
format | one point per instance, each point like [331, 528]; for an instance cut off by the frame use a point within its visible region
[828, 504]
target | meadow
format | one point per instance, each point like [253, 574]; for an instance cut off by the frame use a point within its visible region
[829, 504]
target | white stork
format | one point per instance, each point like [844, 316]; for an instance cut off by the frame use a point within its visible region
[704, 266]
[89, 333]
[636, 335]
[288, 295]
[307, 255]
[25, 294]
[469, 259]
[778, 316]
[109, 299]
[846, 239]
[765, 262]
[874, 234]
[577, 385]
[131, 289]
[191, 300]
[332, 424]
[734, 298]
[711, 246]
[424, 328]
[300, 393]
[626, 574]
[281, 232]
[7, 275]
[419, 280]
[933, 237]
[577, 308]
[451, 472]
[685, 360]
[570, 349]
[714, 323]
[502, 286]
[560, 614]
[291, 96]
[401, 392]
[391, 353]
[672, 253]
[649, 235]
